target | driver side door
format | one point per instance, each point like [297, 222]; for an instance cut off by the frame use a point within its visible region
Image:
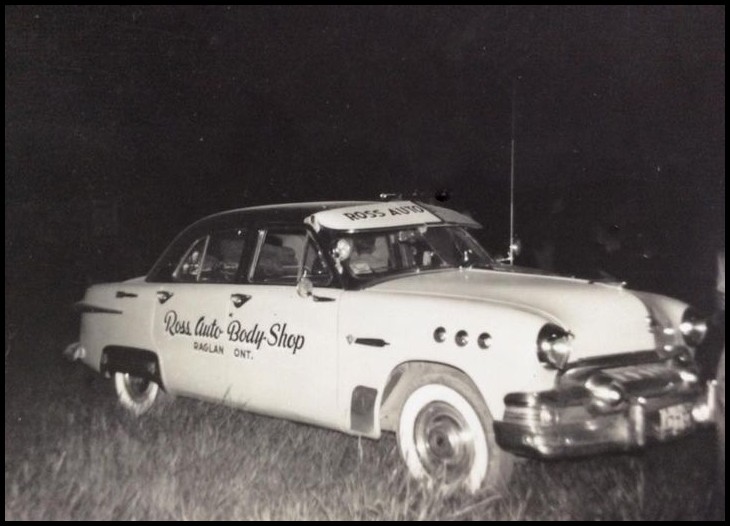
[288, 339]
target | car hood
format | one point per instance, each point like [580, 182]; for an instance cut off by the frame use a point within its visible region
[605, 318]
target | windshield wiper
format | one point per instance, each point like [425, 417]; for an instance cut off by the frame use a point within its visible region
[465, 259]
[470, 261]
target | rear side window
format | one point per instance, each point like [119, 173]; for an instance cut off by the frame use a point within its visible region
[278, 257]
[214, 258]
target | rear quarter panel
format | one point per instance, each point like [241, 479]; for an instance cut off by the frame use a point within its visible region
[131, 327]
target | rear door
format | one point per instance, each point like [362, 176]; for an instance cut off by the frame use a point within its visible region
[191, 315]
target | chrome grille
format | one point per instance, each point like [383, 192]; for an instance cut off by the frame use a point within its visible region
[635, 373]
[647, 380]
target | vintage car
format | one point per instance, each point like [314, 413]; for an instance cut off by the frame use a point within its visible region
[388, 316]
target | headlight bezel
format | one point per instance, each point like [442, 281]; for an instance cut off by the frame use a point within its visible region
[693, 327]
[554, 346]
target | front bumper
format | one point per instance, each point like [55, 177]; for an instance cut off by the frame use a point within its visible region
[567, 423]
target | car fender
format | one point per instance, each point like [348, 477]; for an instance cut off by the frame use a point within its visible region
[116, 314]
[381, 332]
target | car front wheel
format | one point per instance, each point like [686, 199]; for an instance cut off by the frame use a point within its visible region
[137, 395]
[446, 437]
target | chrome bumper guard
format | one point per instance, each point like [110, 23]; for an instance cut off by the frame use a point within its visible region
[74, 351]
[575, 421]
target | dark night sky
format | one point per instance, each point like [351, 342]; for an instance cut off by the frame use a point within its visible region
[175, 112]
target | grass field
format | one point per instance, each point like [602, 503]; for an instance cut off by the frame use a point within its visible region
[72, 453]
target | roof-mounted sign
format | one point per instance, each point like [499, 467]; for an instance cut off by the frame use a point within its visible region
[374, 215]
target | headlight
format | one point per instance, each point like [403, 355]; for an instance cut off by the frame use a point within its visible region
[693, 327]
[553, 346]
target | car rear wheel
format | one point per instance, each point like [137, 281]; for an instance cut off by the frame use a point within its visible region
[720, 418]
[137, 395]
[446, 437]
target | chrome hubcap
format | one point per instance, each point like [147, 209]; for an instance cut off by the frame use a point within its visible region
[444, 442]
[137, 387]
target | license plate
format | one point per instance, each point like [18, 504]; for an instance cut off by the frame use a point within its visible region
[674, 420]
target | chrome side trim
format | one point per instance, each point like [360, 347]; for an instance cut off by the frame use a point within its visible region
[83, 308]
[372, 342]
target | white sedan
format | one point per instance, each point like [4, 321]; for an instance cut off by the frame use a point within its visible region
[388, 316]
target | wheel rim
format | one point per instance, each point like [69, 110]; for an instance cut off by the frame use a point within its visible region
[138, 388]
[444, 442]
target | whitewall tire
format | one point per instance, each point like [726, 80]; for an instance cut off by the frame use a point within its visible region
[446, 437]
[136, 395]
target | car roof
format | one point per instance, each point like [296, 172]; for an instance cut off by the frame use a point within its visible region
[286, 212]
[316, 212]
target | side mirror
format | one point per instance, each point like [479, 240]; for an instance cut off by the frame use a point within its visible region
[305, 287]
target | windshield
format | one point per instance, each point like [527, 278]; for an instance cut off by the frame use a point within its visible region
[377, 254]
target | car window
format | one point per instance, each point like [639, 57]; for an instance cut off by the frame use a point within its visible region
[371, 255]
[189, 267]
[278, 257]
[214, 258]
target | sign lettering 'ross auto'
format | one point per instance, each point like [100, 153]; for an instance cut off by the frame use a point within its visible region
[276, 336]
[393, 211]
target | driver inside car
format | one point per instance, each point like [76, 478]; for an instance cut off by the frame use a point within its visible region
[369, 254]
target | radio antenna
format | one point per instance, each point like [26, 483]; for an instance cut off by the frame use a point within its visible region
[511, 249]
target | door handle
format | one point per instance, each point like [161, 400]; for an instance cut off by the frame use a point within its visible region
[163, 296]
[239, 299]
[322, 298]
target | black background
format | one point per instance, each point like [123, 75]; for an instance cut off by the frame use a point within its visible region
[124, 124]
